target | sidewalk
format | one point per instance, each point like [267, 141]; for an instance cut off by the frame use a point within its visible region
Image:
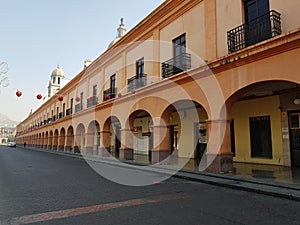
[265, 179]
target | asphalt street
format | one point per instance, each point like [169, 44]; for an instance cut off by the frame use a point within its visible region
[41, 188]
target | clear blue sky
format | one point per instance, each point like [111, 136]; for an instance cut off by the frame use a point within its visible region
[36, 35]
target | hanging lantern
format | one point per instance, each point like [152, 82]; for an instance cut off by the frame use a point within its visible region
[107, 97]
[77, 99]
[60, 98]
[18, 93]
[39, 96]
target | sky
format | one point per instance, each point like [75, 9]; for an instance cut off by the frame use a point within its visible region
[36, 35]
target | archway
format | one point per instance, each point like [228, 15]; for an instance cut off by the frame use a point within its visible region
[265, 125]
[93, 138]
[187, 129]
[80, 139]
[50, 140]
[46, 140]
[110, 137]
[55, 140]
[61, 141]
[140, 125]
[70, 140]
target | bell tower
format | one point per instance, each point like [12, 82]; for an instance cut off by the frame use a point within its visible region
[55, 81]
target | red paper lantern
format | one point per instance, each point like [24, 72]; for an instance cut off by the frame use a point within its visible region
[39, 96]
[60, 98]
[107, 97]
[77, 99]
[18, 93]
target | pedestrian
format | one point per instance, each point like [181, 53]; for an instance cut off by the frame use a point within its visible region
[25, 144]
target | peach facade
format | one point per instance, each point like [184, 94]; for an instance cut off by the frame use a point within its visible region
[180, 84]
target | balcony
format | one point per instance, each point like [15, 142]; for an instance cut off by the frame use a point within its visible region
[109, 94]
[68, 112]
[78, 107]
[91, 101]
[136, 82]
[255, 31]
[176, 65]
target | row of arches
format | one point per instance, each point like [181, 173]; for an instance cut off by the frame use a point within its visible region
[141, 133]
[256, 116]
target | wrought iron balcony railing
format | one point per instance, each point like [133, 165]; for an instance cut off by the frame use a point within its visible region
[78, 107]
[136, 82]
[176, 65]
[257, 30]
[68, 112]
[109, 94]
[91, 101]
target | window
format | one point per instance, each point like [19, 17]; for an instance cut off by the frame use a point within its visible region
[140, 68]
[95, 91]
[260, 137]
[179, 45]
[258, 21]
[71, 105]
[58, 80]
[53, 80]
[255, 8]
[112, 84]
[81, 99]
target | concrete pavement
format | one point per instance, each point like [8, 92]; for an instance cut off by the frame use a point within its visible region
[262, 184]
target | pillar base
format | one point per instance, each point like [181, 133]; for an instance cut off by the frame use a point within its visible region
[219, 163]
[88, 150]
[95, 150]
[61, 148]
[104, 152]
[126, 154]
[68, 149]
[158, 156]
[76, 149]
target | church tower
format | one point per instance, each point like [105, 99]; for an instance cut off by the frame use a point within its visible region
[55, 81]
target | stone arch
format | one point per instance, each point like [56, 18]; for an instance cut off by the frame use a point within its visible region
[61, 139]
[262, 111]
[55, 140]
[93, 138]
[183, 130]
[50, 140]
[80, 139]
[110, 137]
[69, 147]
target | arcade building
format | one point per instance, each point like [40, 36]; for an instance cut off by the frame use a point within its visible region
[205, 79]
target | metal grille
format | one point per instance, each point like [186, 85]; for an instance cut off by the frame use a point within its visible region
[257, 30]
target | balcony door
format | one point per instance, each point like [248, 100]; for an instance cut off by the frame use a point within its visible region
[257, 19]
[179, 45]
[112, 86]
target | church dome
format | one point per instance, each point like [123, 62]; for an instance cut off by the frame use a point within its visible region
[121, 33]
[58, 72]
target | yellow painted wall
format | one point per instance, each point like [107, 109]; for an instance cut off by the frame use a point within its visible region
[144, 49]
[241, 111]
[232, 9]
[290, 10]
[191, 23]
[186, 136]
[115, 67]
